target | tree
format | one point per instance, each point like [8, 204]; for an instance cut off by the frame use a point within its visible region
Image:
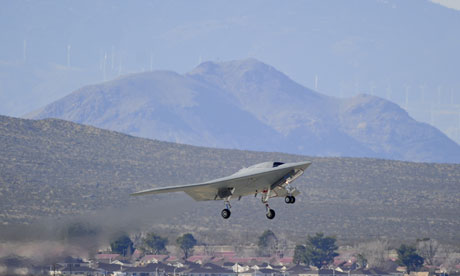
[361, 260]
[408, 257]
[154, 243]
[427, 249]
[320, 249]
[186, 243]
[299, 255]
[374, 253]
[267, 243]
[122, 245]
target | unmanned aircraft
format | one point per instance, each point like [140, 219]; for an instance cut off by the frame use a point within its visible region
[270, 179]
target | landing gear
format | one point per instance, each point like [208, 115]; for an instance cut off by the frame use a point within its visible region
[289, 199]
[271, 214]
[226, 213]
[265, 196]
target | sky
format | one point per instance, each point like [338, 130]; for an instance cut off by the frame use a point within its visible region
[404, 51]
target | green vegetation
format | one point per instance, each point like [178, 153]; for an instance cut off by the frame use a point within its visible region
[155, 243]
[320, 250]
[186, 243]
[408, 257]
[267, 243]
[299, 254]
[122, 245]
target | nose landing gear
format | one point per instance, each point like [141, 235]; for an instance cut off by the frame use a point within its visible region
[265, 196]
[270, 213]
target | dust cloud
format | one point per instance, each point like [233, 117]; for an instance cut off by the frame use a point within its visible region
[52, 239]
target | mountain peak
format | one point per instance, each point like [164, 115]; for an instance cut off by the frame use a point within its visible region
[248, 104]
[249, 67]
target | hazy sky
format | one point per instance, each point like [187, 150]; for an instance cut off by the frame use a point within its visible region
[405, 51]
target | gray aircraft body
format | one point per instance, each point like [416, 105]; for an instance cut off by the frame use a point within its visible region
[270, 179]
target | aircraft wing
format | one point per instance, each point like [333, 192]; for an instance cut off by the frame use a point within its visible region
[237, 185]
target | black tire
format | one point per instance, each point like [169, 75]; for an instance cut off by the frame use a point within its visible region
[271, 214]
[292, 199]
[287, 199]
[226, 213]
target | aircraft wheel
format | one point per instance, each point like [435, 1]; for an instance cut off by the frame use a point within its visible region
[226, 213]
[271, 214]
[287, 199]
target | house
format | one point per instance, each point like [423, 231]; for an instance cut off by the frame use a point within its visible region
[75, 262]
[324, 272]
[106, 257]
[109, 269]
[251, 272]
[151, 269]
[199, 259]
[286, 260]
[78, 270]
[239, 268]
[270, 272]
[299, 270]
[122, 263]
[369, 271]
[153, 258]
[209, 271]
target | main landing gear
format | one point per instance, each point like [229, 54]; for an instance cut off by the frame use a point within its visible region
[265, 196]
[226, 212]
[289, 199]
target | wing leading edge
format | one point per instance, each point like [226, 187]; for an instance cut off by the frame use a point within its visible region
[241, 184]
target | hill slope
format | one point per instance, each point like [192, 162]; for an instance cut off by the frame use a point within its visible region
[55, 168]
[250, 105]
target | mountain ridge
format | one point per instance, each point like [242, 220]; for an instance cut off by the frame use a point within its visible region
[250, 105]
[56, 168]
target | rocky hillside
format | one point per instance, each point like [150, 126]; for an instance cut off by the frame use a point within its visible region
[250, 105]
[55, 168]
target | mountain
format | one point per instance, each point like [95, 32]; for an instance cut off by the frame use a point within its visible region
[58, 169]
[247, 104]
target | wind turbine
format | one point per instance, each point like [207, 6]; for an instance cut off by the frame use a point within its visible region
[422, 88]
[68, 55]
[316, 82]
[431, 114]
[372, 84]
[24, 50]
[389, 92]
[112, 64]
[439, 94]
[104, 65]
[341, 85]
[407, 97]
